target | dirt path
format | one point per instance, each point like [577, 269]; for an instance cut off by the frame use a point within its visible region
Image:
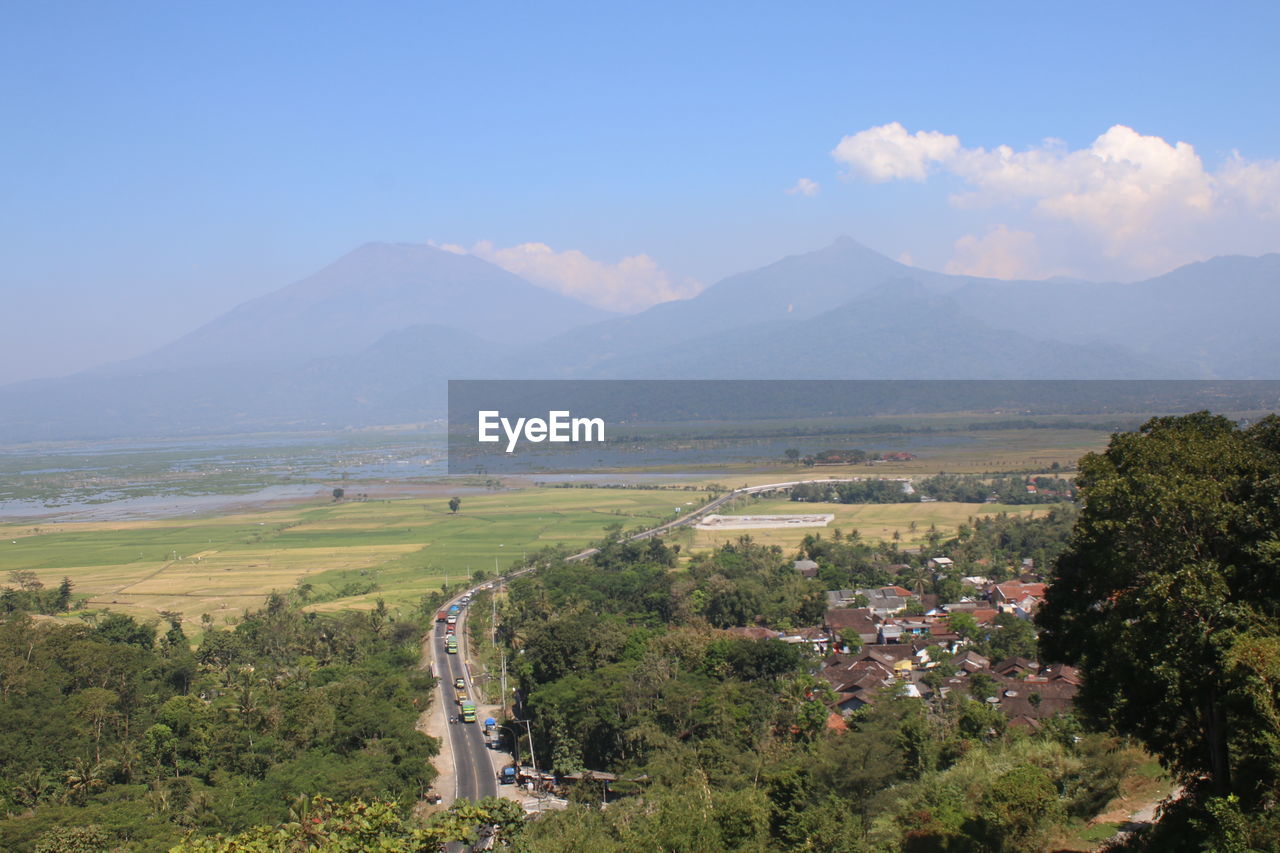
[1134, 816]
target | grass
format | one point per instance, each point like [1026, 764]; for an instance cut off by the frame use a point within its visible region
[222, 565]
[1145, 785]
[354, 552]
[874, 522]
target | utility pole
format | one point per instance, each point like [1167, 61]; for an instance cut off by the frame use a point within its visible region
[533, 755]
[515, 742]
[493, 617]
[504, 681]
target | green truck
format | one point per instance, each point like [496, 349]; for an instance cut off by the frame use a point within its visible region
[468, 712]
[451, 645]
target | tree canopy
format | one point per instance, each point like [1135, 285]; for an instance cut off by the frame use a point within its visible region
[1167, 597]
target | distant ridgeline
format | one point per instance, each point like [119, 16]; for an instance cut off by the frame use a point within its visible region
[373, 339]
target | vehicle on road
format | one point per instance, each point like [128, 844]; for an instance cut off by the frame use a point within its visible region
[507, 775]
[468, 712]
[451, 645]
[461, 696]
[452, 620]
[459, 683]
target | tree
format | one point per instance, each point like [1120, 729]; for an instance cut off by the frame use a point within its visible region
[918, 579]
[792, 455]
[982, 686]
[326, 826]
[454, 503]
[1015, 811]
[94, 708]
[73, 839]
[82, 779]
[27, 581]
[963, 624]
[64, 594]
[338, 493]
[1166, 597]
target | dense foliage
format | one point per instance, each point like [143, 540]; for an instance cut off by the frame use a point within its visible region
[146, 738]
[27, 594]
[961, 488]
[969, 488]
[1169, 598]
[728, 741]
[324, 826]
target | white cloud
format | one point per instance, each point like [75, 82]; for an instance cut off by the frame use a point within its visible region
[1255, 186]
[1001, 253]
[1138, 200]
[889, 151]
[804, 187]
[632, 284]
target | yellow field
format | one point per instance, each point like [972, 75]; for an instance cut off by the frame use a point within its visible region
[874, 522]
[405, 542]
[352, 552]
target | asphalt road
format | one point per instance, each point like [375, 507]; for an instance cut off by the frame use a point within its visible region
[475, 776]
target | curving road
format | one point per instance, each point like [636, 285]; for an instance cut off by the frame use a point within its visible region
[473, 768]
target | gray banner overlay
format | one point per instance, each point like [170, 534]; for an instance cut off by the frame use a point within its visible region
[541, 427]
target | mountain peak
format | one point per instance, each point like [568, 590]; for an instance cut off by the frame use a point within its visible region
[845, 243]
[371, 291]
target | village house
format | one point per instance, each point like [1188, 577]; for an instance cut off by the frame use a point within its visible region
[817, 640]
[842, 598]
[1011, 591]
[887, 600]
[847, 621]
[1026, 692]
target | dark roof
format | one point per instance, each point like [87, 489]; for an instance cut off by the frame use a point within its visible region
[1062, 672]
[1020, 704]
[971, 661]
[1015, 664]
[889, 653]
[859, 619]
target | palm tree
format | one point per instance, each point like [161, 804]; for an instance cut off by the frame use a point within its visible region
[33, 786]
[128, 758]
[917, 578]
[81, 779]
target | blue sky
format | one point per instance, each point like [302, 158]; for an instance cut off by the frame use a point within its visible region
[164, 162]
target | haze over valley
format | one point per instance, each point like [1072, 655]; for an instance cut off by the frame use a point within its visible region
[372, 338]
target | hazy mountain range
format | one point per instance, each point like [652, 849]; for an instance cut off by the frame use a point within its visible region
[372, 338]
